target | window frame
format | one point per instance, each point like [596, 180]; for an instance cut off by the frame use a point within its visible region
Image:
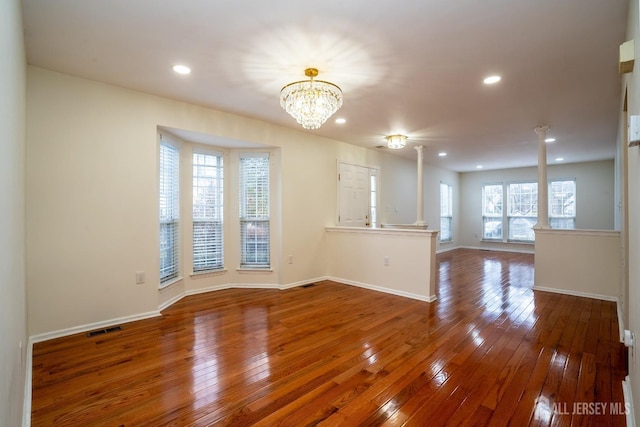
[533, 205]
[553, 217]
[213, 254]
[446, 212]
[261, 221]
[169, 212]
[493, 216]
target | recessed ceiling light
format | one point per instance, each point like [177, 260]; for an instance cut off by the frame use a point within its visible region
[550, 140]
[181, 69]
[559, 159]
[442, 154]
[492, 80]
[479, 167]
[341, 121]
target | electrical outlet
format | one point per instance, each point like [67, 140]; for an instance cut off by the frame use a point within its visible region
[139, 277]
[386, 261]
[290, 259]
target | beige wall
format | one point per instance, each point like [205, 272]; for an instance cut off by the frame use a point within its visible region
[578, 262]
[92, 154]
[594, 203]
[13, 328]
[401, 262]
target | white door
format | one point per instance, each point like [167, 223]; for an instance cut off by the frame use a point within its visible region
[353, 184]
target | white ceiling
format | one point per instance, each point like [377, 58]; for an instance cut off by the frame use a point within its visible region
[404, 66]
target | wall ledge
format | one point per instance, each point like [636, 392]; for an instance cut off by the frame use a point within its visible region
[552, 231]
[386, 231]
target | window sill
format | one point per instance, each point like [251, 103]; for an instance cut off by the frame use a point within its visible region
[248, 270]
[170, 283]
[207, 273]
[509, 242]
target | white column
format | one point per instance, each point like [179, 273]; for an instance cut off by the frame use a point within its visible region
[420, 214]
[543, 198]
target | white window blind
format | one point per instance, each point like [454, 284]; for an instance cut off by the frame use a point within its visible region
[562, 204]
[254, 211]
[446, 212]
[522, 210]
[208, 204]
[169, 211]
[492, 211]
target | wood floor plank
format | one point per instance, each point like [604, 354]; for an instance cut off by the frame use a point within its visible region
[489, 351]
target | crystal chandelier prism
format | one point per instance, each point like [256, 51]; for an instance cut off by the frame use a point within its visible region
[396, 142]
[311, 102]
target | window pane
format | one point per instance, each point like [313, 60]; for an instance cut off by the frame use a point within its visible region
[492, 202]
[562, 204]
[521, 228]
[254, 236]
[563, 223]
[492, 228]
[169, 209]
[523, 199]
[254, 211]
[445, 229]
[446, 212]
[208, 207]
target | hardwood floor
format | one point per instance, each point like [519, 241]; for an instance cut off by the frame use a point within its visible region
[489, 351]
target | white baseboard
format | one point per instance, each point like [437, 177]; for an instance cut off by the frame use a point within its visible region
[91, 326]
[575, 293]
[501, 249]
[442, 250]
[628, 402]
[376, 288]
[621, 324]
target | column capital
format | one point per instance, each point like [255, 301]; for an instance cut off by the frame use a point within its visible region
[541, 130]
[419, 148]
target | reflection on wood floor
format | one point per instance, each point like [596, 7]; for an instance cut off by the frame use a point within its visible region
[489, 351]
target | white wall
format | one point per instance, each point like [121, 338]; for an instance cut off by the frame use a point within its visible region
[12, 246]
[631, 82]
[399, 189]
[594, 198]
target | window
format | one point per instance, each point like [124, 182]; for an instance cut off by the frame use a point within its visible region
[562, 204]
[169, 210]
[446, 212]
[254, 211]
[373, 207]
[522, 211]
[208, 196]
[492, 212]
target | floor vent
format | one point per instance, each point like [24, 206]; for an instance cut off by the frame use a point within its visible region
[308, 285]
[103, 331]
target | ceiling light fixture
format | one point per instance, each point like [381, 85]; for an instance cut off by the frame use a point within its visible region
[181, 69]
[311, 102]
[396, 142]
[492, 80]
[341, 121]
[549, 140]
[442, 154]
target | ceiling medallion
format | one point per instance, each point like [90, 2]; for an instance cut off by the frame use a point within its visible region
[311, 102]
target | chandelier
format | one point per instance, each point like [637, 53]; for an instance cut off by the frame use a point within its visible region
[311, 102]
[396, 142]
